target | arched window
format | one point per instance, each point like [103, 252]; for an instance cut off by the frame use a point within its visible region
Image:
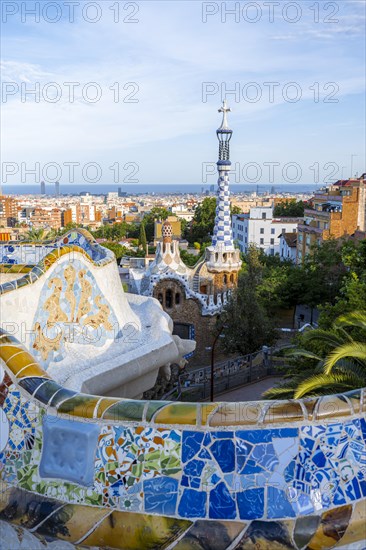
[225, 279]
[160, 298]
[177, 298]
[169, 298]
[231, 278]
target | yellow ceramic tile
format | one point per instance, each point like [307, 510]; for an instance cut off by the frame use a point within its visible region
[259, 536]
[332, 527]
[206, 410]
[8, 350]
[237, 414]
[310, 404]
[74, 521]
[285, 411]
[332, 406]
[201, 535]
[355, 399]
[129, 531]
[356, 530]
[177, 413]
[32, 370]
[81, 405]
[21, 364]
[104, 404]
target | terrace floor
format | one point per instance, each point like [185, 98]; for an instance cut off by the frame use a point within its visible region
[249, 392]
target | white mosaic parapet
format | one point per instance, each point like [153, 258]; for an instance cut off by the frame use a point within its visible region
[72, 313]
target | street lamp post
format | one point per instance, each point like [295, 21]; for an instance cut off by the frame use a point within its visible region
[212, 348]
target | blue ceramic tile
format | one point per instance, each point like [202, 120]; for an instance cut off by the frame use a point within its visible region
[255, 436]
[251, 503]
[194, 468]
[222, 435]
[204, 454]
[265, 436]
[363, 428]
[289, 471]
[353, 489]
[242, 452]
[191, 444]
[362, 482]
[185, 481]
[307, 443]
[32, 383]
[339, 498]
[264, 455]
[192, 504]
[161, 495]
[224, 453]
[222, 506]
[215, 479]
[251, 467]
[68, 450]
[195, 482]
[303, 504]
[278, 504]
[319, 459]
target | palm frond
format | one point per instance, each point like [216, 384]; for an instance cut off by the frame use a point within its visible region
[319, 335]
[296, 352]
[353, 350]
[357, 368]
[354, 319]
[323, 384]
[279, 392]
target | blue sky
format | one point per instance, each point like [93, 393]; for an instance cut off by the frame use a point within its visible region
[169, 53]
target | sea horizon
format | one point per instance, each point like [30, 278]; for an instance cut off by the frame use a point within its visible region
[162, 188]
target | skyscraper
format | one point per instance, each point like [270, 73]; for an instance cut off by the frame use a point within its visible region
[43, 188]
[57, 188]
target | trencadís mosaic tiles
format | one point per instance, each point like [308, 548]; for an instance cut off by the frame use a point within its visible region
[13, 253]
[34, 260]
[71, 309]
[252, 474]
[184, 477]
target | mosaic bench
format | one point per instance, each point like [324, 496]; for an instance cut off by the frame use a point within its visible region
[118, 473]
[71, 312]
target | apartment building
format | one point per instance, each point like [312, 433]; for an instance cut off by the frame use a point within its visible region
[260, 228]
[8, 211]
[83, 214]
[334, 212]
[288, 243]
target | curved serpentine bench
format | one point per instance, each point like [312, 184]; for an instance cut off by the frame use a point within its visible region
[118, 473]
[64, 300]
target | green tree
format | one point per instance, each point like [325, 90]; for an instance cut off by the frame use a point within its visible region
[189, 259]
[39, 235]
[142, 237]
[248, 325]
[201, 227]
[235, 210]
[332, 361]
[117, 249]
[291, 208]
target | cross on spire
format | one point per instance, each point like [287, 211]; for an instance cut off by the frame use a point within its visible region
[224, 110]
